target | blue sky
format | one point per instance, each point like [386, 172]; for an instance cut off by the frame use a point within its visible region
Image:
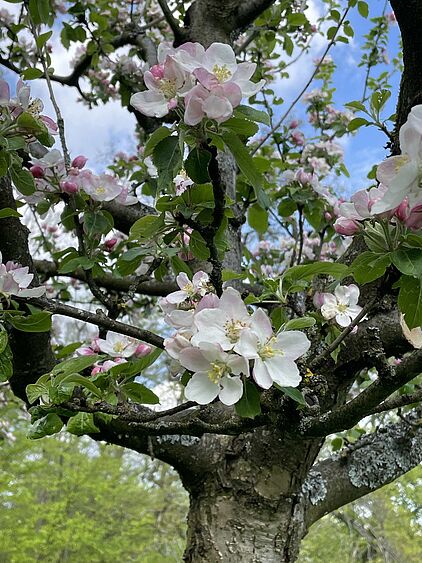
[101, 132]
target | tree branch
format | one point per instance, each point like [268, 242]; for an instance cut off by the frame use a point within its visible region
[179, 33]
[348, 415]
[248, 11]
[99, 319]
[372, 462]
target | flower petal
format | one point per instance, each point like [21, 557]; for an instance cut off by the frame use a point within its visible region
[232, 390]
[201, 389]
[293, 343]
[261, 375]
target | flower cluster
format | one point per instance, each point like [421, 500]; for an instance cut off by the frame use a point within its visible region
[117, 346]
[209, 82]
[15, 279]
[399, 193]
[51, 176]
[23, 103]
[341, 306]
[219, 341]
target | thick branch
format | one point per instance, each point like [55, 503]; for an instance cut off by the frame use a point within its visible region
[352, 412]
[372, 462]
[38, 357]
[248, 11]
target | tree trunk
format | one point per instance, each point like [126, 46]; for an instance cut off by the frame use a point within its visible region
[223, 527]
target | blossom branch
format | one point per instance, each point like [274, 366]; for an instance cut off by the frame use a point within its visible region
[99, 319]
[179, 33]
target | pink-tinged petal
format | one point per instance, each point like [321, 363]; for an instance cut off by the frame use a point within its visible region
[217, 108]
[388, 169]
[209, 301]
[343, 319]
[23, 94]
[150, 103]
[328, 311]
[348, 211]
[361, 202]
[200, 278]
[261, 325]
[353, 310]
[232, 390]
[175, 345]
[4, 92]
[194, 112]
[410, 136]
[151, 82]
[51, 125]
[346, 227]
[176, 297]
[194, 360]
[405, 180]
[293, 343]
[33, 292]
[248, 345]
[221, 55]
[232, 92]
[207, 79]
[329, 299]
[244, 71]
[182, 280]
[261, 375]
[201, 389]
[283, 371]
[180, 319]
[232, 303]
[249, 88]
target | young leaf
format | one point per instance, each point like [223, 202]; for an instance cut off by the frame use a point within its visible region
[46, 426]
[140, 394]
[196, 165]
[82, 423]
[249, 405]
[38, 322]
[410, 300]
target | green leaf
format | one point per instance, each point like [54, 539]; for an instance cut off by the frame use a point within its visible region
[8, 212]
[43, 38]
[247, 167]
[249, 405]
[241, 126]
[74, 365]
[6, 364]
[22, 179]
[147, 227]
[308, 271]
[198, 246]
[78, 379]
[300, 323]
[74, 263]
[258, 218]
[293, 393]
[38, 322]
[287, 207]
[36, 390]
[297, 19]
[143, 363]
[196, 165]
[179, 265]
[46, 426]
[363, 9]
[140, 394]
[254, 114]
[410, 300]
[356, 123]
[97, 223]
[82, 423]
[32, 73]
[369, 266]
[157, 136]
[408, 261]
[168, 160]
[3, 339]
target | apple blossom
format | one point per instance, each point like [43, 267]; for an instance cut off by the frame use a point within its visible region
[100, 188]
[118, 345]
[402, 174]
[15, 279]
[189, 289]
[274, 356]
[224, 324]
[182, 181]
[342, 305]
[212, 377]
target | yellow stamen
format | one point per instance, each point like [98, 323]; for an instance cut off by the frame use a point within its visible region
[221, 72]
[216, 372]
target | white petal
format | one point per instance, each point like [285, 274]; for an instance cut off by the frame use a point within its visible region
[193, 359]
[232, 303]
[220, 54]
[343, 319]
[261, 325]
[150, 103]
[403, 183]
[353, 294]
[293, 343]
[342, 294]
[283, 371]
[33, 292]
[201, 389]
[261, 375]
[247, 345]
[232, 390]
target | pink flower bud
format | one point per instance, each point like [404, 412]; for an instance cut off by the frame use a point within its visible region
[69, 187]
[347, 227]
[172, 104]
[414, 220]
[293, 124]
[110, 243]
[157, 71]
[96, 369]
[298, 138]
[142, 350]
[318, 299]
[37, 171]
[328, 216]
[79, 161]
[402, 211]
[314, 28]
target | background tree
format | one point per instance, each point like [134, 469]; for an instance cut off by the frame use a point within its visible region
[252, 470]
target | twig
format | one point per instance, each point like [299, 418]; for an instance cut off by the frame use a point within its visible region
[299, 96]
[398, 402]
[171, 20]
